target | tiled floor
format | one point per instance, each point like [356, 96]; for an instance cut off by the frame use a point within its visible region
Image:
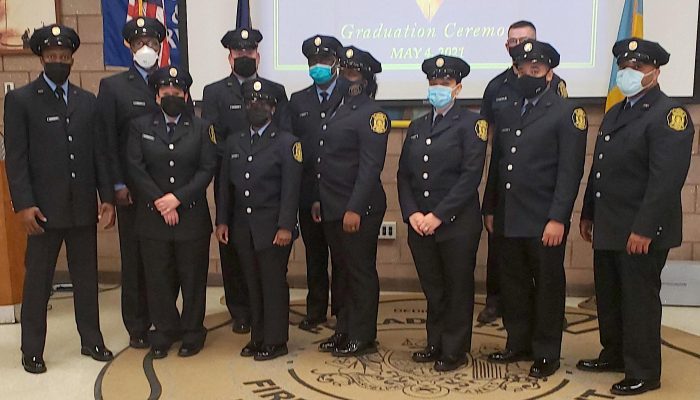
[72, 376]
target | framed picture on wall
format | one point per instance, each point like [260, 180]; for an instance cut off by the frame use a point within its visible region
[19, 18]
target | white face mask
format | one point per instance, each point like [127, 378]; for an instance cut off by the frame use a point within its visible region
[629, 81]
[146, 57]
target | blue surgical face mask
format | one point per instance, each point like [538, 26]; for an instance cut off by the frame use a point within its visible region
[321, 73]
[629, 81]
[439, 96]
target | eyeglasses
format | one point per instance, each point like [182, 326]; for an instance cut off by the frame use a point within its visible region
[144, 41]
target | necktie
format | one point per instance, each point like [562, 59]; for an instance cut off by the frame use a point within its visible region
[526, 108]
[627, 106]
[171, 129]
[437, 120]
[254, 139]
[59, 92]
[324, 98]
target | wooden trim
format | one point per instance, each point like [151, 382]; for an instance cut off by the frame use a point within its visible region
[9, 52]
[13, 244]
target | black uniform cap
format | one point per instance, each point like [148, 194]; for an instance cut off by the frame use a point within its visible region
[320, 44]
[534, 51]
[641, 51]
[143, 26]
[352, 57]
[54, 35]
[256, 89]
[170, 76]
[442, 66]
[242, 38]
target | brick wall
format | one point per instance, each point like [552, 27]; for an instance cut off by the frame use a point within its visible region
[396, 267]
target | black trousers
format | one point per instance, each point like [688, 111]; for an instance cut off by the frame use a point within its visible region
[169, 265]
[493, 287]
[317, 268]
[629, 309]
[533, 295]
[40, 261]
[235, 287]
[356, 257]
[266, 277]
[133, 278]
[446, 272]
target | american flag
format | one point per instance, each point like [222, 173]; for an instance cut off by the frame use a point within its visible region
[152, 9]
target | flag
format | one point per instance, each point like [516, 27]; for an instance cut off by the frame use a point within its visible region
[115, 13]
[152, 9]
[631, 25]
[243, 14]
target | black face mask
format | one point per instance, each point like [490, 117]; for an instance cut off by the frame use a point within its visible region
[529, 86]
[258, 116]
[173, 105]
[356, 88]
[57, 72]
[244, 66]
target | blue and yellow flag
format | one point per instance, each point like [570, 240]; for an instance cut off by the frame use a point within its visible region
[631, 25]
[243, 15]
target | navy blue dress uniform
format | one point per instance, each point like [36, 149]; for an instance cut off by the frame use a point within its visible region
[123, 97]
[259, 182]
[178, 158]
[641, 159]
[55, 161]
[440, 169]
[534, 176]
[223, 106]
[349, 162]
[308, 107]
[502, 89]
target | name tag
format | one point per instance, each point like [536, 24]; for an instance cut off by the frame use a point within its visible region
[53, 119]
[500, 99]
[235, 106]
[148, 137]
[304, 114]
[138, 103]
[235, 156]
[414, 137]
[504, 130]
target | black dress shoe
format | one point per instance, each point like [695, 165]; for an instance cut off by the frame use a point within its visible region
[99, 353]
[158, 353]
[332, 343]
[240, 326]
[489, 314]
[188, 350]
[355, 348]
[271, 352]
[509, 356]
[543, 367]
[251, 349]
[308, 324]
[429, 354]
[450, 363]
[630, 387]
[596, 365]
[33, 365]
[139, 342]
